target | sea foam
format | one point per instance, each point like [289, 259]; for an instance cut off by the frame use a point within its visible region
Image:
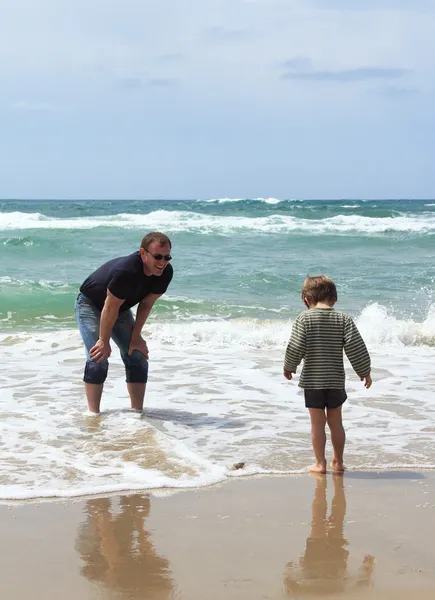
[199, 223]
[216, 396]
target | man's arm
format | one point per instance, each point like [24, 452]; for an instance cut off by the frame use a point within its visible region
[143, 311]
[296, 348]
[109, 314]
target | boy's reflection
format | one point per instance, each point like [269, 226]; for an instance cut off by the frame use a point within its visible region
[117, 550]
[323, 566]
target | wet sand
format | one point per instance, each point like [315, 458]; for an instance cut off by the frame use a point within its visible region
[366, 535]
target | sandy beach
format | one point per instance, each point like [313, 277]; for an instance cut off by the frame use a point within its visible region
[364, 535]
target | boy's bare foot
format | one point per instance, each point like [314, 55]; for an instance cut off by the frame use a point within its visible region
[337, 466]
[318, 468]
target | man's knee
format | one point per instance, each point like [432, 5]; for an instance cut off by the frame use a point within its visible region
[95, 372]
[136, 368]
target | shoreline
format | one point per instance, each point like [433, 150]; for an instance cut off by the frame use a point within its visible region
[372, 473]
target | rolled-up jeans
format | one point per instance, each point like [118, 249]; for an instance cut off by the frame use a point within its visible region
[88, 319]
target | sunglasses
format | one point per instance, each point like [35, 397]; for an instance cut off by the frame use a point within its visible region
[166, 257]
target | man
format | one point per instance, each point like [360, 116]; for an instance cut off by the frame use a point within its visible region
[103, 311]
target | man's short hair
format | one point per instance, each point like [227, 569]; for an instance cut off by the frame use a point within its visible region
[319, 289]
[155, 236]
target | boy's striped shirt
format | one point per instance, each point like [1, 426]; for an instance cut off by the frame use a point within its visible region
[319, 336]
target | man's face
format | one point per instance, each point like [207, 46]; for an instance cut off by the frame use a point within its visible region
[155, 258]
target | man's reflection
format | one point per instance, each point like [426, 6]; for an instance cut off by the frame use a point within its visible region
[117, 549]
[323, 567]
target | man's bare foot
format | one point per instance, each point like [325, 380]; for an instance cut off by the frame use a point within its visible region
[337, 466]
[318, 468]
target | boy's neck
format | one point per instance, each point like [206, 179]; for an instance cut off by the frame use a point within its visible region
[322, 305]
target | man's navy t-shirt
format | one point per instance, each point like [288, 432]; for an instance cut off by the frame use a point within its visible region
[125, 279]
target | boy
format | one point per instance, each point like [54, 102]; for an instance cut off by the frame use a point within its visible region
[319, 336]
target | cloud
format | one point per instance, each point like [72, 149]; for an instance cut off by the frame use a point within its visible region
[298, 63]
[163, 81]
[24, 105]
[170, 57]
[369, 5]
[135, 83]
[301, 69]
[399, 92]
[129, 83]
[224, 34]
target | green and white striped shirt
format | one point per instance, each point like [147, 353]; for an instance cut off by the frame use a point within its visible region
[319, 336]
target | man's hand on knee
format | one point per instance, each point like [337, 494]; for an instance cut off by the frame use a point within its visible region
[100, 351]
[138, 344]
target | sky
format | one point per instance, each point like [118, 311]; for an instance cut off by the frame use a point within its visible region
[217, 98]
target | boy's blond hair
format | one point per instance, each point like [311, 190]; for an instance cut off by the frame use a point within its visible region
[319, 289]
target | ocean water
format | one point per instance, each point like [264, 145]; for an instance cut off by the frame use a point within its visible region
[216, 395]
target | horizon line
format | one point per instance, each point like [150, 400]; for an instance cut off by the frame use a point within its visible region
[169, 199]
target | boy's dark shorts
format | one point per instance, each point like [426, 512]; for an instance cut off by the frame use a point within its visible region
[330, 398]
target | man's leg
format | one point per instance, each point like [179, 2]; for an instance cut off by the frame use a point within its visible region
[318, 438]
[338, 437]
[137, 394]
[94, 392]
[88, 320]
[136, 365]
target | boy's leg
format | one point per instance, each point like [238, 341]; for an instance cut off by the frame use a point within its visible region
[338, 436]
[319, 509]
[318, 438]
[338, 553]
[338, 508]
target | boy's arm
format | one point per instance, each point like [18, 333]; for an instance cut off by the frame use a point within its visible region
[296, 347]
[356, 350]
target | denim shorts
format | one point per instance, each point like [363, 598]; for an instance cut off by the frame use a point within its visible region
[88, 319]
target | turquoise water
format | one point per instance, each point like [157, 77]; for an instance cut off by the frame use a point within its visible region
[216, 394]
[232, 258]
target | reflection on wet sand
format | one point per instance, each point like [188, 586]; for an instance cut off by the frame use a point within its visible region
[322, 569]
[117, 550]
